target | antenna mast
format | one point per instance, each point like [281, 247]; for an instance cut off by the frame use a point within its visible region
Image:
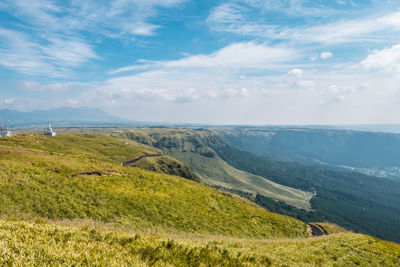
[6, 122]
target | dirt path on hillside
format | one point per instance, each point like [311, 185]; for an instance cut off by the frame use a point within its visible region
[129, 161]
[315, 230]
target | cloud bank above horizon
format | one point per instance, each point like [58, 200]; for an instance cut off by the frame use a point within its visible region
[221, 62]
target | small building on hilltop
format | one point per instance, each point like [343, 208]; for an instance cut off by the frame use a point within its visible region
[49, 131]
[4, 131]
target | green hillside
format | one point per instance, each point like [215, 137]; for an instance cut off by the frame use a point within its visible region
[47, 244]
[167, 165]
[68, 200]
[77, 176]
[192, 148]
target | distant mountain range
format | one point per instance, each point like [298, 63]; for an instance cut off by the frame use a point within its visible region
[384, 128]
[65, 115]
[372, 153]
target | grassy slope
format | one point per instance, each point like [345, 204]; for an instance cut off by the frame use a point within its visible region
[166, 164]
[330, 228]
[36, 181]
[191, 148]
[24, 243]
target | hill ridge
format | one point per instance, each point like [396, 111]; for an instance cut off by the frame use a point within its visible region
[36, 184]
[192, 148]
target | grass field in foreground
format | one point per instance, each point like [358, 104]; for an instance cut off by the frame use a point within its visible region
[43, 243]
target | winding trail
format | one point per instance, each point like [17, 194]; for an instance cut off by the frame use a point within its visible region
[315, 230]
[129, 161]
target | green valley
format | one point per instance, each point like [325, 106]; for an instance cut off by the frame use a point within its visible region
[193, 148]
[355, 201]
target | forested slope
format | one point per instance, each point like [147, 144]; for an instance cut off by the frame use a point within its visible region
[355, 201]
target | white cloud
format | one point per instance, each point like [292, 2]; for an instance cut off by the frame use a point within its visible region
[70, 52]
[18, 51]
[226, 13]
[143, 29]
[248, 55]
[227, 93]
[296, 72]
[386, 59]
[296, 8]
[9, 101]
[123, 16]
[147, 94]
[53, 40]
[371, 29]
[72, 102]
[326, 55]
[43, 87]
[344, 31]
[239, 55]
[132, 68]
[313, 97]
[341, 2]
[218, 75]
[322, 55]
[135, 89]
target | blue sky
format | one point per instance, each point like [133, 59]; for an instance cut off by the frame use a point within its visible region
[224, 62]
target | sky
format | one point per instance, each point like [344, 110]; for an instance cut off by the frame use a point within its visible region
[205, 61]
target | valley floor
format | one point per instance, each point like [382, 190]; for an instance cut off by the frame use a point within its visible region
[46, 243]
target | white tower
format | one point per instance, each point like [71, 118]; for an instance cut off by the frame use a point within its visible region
[49, 131]
[4, 131]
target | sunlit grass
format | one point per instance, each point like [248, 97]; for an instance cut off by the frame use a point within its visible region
[25, 243]
[41, 180]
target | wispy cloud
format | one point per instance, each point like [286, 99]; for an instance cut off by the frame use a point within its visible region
[19, 53]
[373, 28]
[119, 16]
[53, 40]
[52, 57]
[239, 55]
[292, 7]
[43, 87]
[69, 52]
[8, 101]
[326, 55]
[227, 13]
[243, 55]
[144, 65]
[218, 75]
